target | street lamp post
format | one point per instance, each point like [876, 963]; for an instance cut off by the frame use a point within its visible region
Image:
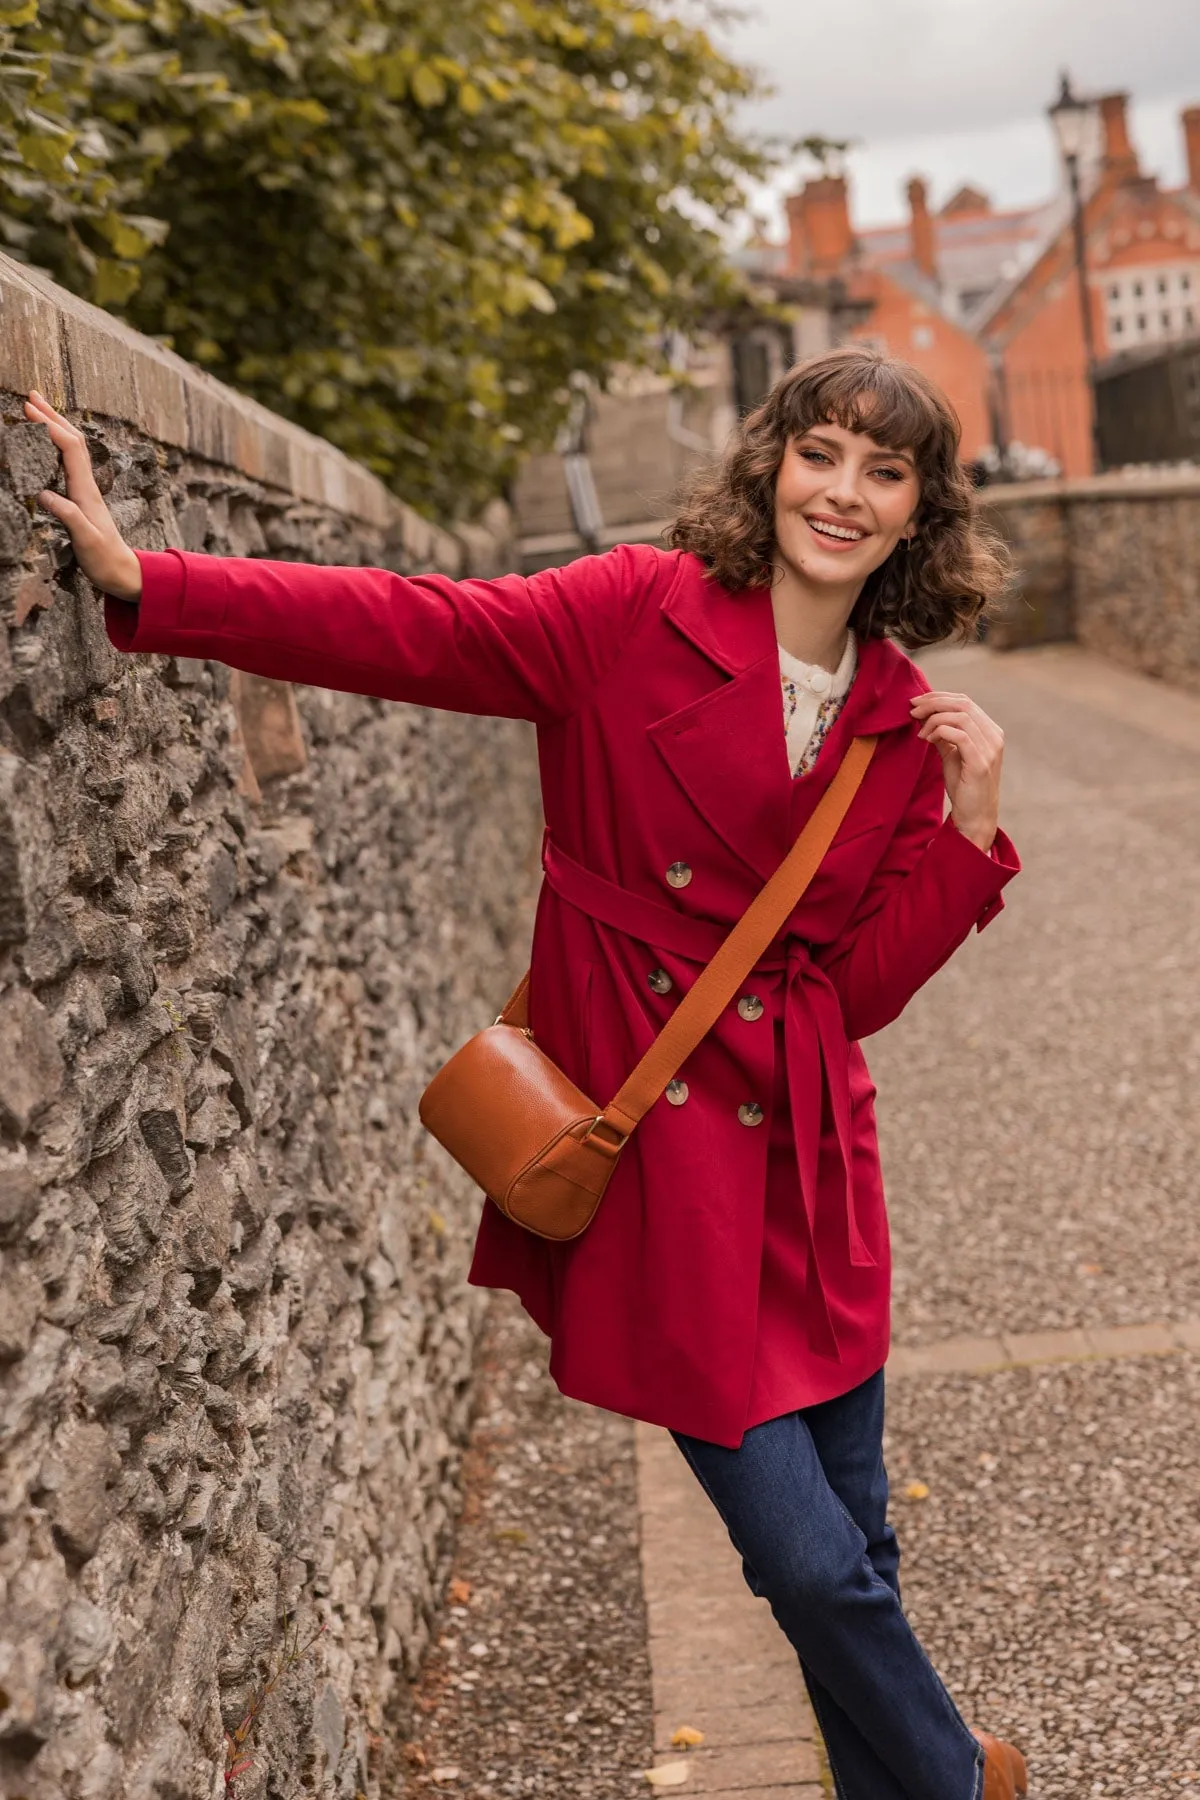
[1071, 119]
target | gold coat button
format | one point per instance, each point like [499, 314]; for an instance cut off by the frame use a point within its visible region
[677, 1092]
[751, 1113]
[660, 981]
[750, 1007]
[678, 875]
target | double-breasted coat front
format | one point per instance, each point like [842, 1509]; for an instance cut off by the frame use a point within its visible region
[739, 1263]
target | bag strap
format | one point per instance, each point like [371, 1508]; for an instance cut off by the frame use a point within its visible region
[741, 951]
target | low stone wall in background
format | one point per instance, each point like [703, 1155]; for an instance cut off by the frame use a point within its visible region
[1113, 562]
[239, 927]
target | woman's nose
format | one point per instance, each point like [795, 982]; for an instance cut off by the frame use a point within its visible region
[842, 491]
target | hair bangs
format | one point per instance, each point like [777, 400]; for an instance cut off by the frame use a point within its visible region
[863, 393]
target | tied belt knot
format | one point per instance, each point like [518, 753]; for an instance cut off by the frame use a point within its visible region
[815, 1043]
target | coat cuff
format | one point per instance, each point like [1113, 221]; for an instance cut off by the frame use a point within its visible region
[182, 595]
[979, 875]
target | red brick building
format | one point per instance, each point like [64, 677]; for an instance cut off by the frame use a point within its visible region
[1143, 261]
[987, 302]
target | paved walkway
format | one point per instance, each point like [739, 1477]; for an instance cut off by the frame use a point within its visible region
[1041, 1129]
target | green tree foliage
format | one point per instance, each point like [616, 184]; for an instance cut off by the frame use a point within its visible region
[402, 222]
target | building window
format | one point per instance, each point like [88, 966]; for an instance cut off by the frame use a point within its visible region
[1129, 319]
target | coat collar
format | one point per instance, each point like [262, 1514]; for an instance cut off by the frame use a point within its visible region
[727, 748]
[736, 631]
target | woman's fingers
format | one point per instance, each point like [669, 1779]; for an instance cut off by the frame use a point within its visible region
[66, 511]
[73, 448]
[937, 701]
[101, 552]
[976, 733]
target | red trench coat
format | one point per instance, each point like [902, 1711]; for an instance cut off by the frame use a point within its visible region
[657, 699]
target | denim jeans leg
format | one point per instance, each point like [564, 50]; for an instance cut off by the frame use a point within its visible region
[892, 1730]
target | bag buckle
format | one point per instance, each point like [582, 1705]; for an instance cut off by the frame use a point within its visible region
[596, 1131]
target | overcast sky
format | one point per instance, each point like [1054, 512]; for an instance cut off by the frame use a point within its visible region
[956, 89]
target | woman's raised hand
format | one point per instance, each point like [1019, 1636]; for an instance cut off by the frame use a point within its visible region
[971, 747]
[100, 550]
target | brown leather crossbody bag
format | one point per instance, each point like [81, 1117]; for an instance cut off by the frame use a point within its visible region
[528, 1136]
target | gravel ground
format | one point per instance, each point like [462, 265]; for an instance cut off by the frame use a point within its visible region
[539, 1684]
[1041, 1140]
[1053, 1572]
[1038, 1101]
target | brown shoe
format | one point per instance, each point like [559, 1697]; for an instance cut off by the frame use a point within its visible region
[1004, 1774]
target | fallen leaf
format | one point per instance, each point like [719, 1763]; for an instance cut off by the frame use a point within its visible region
[1091, 1268]
[459, 1592]
[437, 1222]
[686, 1738]
[916, 1490]
[447, 1774]
[511, 1534]
[672, 1774]
[987, 1460]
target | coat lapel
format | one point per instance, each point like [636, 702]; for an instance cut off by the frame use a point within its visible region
[728, 750]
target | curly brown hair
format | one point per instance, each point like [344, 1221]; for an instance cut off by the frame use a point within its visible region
[955, 568]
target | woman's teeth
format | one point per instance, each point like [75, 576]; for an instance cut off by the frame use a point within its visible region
[837, 531]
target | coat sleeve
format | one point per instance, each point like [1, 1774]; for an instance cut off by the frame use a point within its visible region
[517, 647]
[931, 887]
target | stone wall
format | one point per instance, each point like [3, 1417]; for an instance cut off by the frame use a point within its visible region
[239, 927]
[1113, 562]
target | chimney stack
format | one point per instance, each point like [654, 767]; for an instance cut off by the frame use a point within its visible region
[924, 249]
[797, 247]
[1120, 157]
[1191, 137]
[828, 239]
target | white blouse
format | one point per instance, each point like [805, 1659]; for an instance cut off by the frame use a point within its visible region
[812, 700]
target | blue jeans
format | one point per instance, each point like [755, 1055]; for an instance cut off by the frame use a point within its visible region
[805, 1502]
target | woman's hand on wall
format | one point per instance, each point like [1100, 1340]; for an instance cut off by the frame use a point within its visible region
[971, 747]
[100, 550]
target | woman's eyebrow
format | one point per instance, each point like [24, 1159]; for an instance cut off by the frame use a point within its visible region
[881, 451]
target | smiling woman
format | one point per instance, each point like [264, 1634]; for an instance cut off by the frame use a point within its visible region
[733, 1284]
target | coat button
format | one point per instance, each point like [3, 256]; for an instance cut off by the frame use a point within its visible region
[751, 1113]
[750, 1007]
[660, 981]
[677, 1092]
[678, 875]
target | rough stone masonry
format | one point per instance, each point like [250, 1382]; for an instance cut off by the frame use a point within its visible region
[239, 927]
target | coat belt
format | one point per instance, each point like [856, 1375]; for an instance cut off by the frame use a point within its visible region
[815, 1040]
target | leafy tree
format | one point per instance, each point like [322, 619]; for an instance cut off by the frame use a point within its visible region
[404, 223]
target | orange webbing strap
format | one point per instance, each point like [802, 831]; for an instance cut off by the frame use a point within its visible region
[516, 1011]
[758, 926]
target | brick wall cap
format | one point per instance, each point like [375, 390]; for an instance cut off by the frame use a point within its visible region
[1154, 484]
[84, 359]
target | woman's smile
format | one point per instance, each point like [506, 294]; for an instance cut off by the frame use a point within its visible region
[835, 534]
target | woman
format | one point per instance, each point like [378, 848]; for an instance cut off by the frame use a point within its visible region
[692, 707]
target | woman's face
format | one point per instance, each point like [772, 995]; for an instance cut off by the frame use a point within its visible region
[842, 503]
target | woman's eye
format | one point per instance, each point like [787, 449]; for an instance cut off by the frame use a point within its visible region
[814, 456]
[891, 474]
